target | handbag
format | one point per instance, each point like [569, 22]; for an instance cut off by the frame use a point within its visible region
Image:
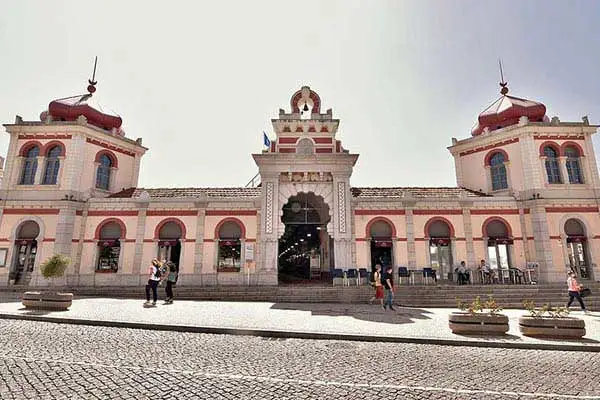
[585, 292]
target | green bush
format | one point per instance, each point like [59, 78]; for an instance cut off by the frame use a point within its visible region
[55, 266]
[477, 306]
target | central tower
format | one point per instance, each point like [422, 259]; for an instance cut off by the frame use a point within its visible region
[305, 160]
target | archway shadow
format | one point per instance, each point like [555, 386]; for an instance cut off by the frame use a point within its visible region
[364, 312]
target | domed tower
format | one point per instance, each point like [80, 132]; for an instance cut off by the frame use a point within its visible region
[76, 151]
[305, 177]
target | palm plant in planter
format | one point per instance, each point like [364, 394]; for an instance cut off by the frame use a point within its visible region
[550, 321]
[478, 318]
[52, 268]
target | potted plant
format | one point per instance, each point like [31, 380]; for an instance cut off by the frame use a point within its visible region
[52, 268]
[550, 321]
[478, 318]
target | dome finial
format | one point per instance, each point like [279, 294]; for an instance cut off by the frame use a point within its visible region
[92, 83]
[503, 84]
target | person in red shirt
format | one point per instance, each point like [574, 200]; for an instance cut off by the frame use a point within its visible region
[574, 287]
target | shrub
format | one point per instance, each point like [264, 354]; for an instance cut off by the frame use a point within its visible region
[545, 310]
[489, 306]
[55, 266]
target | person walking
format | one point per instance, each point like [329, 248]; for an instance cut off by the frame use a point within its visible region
[388, 285]
[574, 287]
[378, 285]
[171, 279]
[154, 276]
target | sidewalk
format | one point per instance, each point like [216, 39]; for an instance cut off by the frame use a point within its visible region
[361, 322]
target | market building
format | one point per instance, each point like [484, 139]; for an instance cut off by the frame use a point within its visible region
[526, 196]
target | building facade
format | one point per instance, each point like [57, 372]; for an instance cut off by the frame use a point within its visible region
[526, 195]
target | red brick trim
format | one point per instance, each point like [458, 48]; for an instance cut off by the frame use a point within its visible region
[460, 239]
[174, 213]
[554, 237]
[149, 240]
[132, 213]
[488, 156]
[379, 212]
[230, 219]
[571, 209]
[571, 143]
[109, 220]
[441, 219]
[287, 150]
[402, 239]
[49, 240]
[129, 240]
[29, 145]
[557, 137]
[251, 240]
[31, 211]
[88, 240]
[232, 213]
[421, 239]
[495, 212]
[45, 137]
[323, 150]
[361, 239]
[596, 237]
[209, 240]
[437, 212]
[110, 147]
[287, 140]
[166, 221]
[189, 240]
[323, 140]
[492, 219]
[74, 240]
[488, 147]
[79, 212]
[113, 159]
[478, 239]
[378, 219]
[50, 145]
[548, 143]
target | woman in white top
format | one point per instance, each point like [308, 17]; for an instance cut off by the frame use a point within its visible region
[154, 276]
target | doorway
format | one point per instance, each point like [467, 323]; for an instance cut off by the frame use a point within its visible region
[169, 243]
[25, 252]
[305, 249]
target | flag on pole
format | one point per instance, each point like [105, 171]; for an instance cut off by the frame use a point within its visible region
[266, 140]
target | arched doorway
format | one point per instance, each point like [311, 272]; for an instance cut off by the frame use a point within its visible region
[440, 247]
[25, 252]
[498, 244]
[229, 257]
[109, 247]
[305, 248]
[169, 242]
[381, 233]
[577, 248]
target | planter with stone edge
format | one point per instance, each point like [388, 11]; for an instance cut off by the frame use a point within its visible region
[552, 327]
[52, 268]
[478, 323]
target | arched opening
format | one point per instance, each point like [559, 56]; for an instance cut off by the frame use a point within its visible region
[109, 247]
[552, 166]
[577, 247]
[169, 242]
[381, 233]
[229, 257]
[305, 248]
[25, 252]
[440, 249]
[573, 164]
[30, 165]
[498, 244]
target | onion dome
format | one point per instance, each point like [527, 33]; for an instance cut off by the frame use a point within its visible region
[506, 111]
[70, 108]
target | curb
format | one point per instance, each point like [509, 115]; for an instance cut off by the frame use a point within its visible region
[304, 335]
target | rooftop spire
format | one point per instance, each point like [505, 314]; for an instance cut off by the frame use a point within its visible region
[503, 84]
[92, 83]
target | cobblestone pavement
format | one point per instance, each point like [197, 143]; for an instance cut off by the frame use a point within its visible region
[41, 360]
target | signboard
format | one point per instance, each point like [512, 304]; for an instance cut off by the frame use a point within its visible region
[249, 251]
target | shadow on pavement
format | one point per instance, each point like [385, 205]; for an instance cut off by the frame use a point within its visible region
[365, 312]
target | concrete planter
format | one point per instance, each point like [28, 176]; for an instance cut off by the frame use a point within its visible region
[567, 327]
[53, 301]
[478, 324]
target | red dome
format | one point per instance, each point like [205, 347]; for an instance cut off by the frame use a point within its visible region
[506, 111]
[70, 108]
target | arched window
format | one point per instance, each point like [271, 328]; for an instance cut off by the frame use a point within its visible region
[440, 253]
[169, 243]
[498, 171]
[573, 166]
[109, 247]
[52, 166]
[103, 174]
[499, 242]
[230, 247]
[577, 247]
[552, 166]
[30, 166]
[381, 243]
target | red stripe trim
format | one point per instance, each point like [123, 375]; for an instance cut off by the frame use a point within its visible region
[209, 240]
[495, 212]
[78, 212]
[402, 239]
[571, 209]
[110, 147]
[596, 237]
[437, 212]
[491, 146]
[323, 140]
[49, 240]
[557, 137]
[74, 240]
[554, 237]
[458, 239]
[42, 137]
[129, 240]
[323, 150]
[149, 240]
[361, 239]
[189, 240]
[478, 239]
[112, 213]
[287, 140]
[228, 213]
[88, 240]
[530, 238]
[32, 211]
[250, 240]
[175, 213]
[287, 150]
[379, 212]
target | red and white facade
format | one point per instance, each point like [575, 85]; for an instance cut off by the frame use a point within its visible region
[527, 193]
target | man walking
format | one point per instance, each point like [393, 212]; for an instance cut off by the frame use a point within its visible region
[388, 286]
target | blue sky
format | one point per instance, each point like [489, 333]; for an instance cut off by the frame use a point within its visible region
[199, 81]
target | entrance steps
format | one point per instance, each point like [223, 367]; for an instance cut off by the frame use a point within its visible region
[507, 296]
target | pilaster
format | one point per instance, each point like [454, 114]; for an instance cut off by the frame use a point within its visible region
[468, 227]
[140, 231]
[543, 247]
[199, 244]
[410, 237]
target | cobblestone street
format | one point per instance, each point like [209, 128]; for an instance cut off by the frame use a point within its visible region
[53, 361]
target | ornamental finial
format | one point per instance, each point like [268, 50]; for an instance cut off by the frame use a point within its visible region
[92, 83]
[503, 84]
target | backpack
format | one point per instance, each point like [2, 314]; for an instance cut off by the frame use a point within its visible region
[158, 272]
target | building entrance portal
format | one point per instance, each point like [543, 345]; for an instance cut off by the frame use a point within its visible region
[305, 249]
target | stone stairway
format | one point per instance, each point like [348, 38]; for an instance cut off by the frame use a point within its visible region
[507, 296]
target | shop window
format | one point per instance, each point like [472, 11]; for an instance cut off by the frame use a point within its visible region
[499, 244]
[109, 248]
[230, 247]
[52, 166]
[30, 166]
[552, 166]
[577, 247]
[498, 171]
[103, 173]
[573, 165]
[440, 250]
